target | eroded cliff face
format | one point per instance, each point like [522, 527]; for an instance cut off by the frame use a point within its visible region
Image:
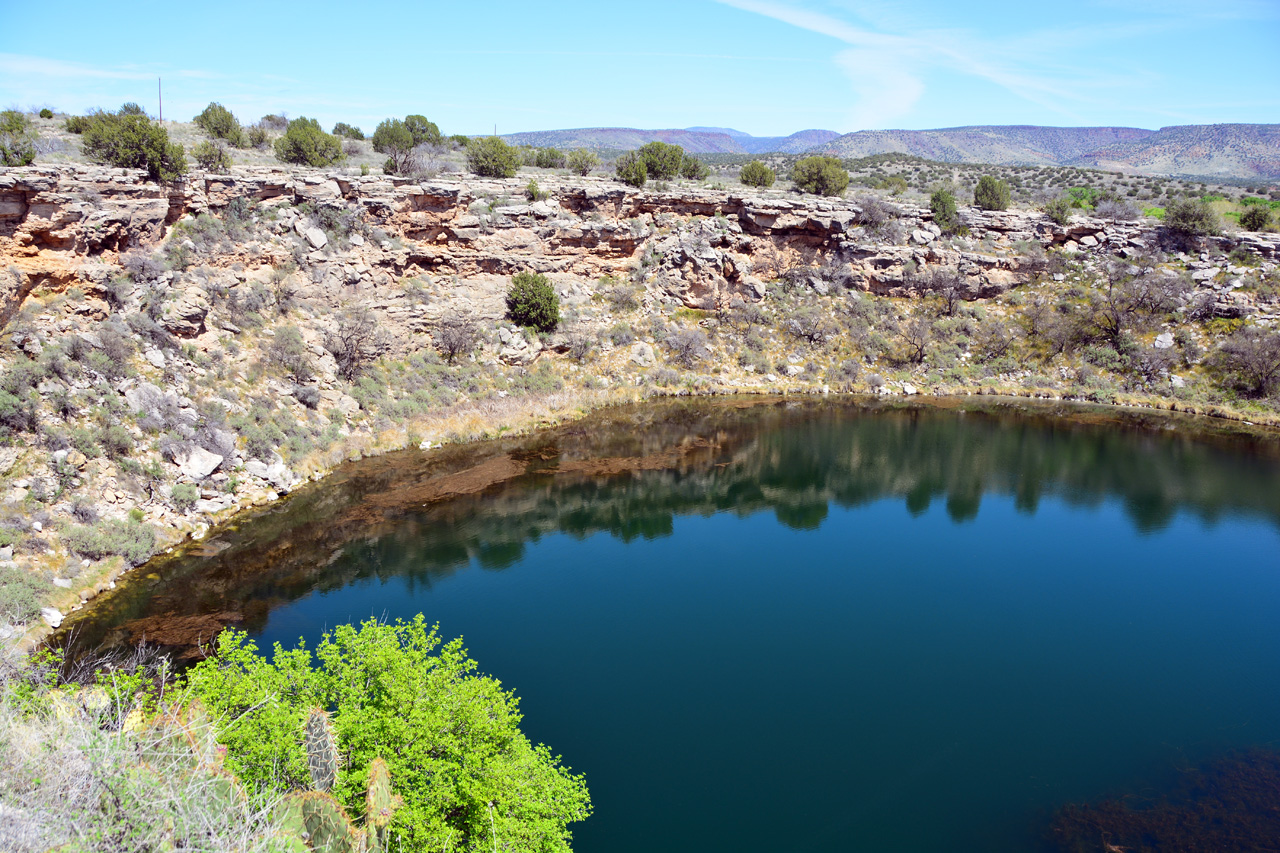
[64, 225]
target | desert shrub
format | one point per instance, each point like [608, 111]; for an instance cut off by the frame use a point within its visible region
[131, 540]
[756, 174]
[211, 156]
[630, 168]
[1058, 210]
[877, 216]
[46, 113]
[532, 301]
[1117, 210]
[115, 441]
[581, 161]
[354, 341]
[272, 121]
[289, 352]
[457, 335]
[77, 124]
[662, 161]
[17, 139]
[423, 131]
[820, 175]
[220, 123]
[256, 136]
[620, 334]
[1255, 218]
[549, 158]
[130, 140]
[533, 192]
[810, 324]
[943, 206]
[687, 346]
[1249, 360]
[21, 595]
[306, 144]
[17, 413]
[347, 131]
[991, 193]
[694, 169]
[1190, 217]
[622, 298]
[184, 496]
[490, 157]
[393, 138]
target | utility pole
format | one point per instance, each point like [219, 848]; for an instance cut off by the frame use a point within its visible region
[160, 95]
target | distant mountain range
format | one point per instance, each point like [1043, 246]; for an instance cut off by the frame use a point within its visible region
[1243, 151]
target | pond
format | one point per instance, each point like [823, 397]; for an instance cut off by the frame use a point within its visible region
[806, 625]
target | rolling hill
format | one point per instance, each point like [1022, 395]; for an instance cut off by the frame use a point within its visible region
[696, 140]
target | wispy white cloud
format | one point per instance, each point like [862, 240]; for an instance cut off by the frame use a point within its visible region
[38, 66]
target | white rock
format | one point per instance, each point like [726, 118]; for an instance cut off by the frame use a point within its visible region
[1164, 340]
[198, 463]
[793, 370]
[909, 389]
[155, 357]
[1177, 381]
[52, 616]
[62, 583]
[642, 353]
[316, 237]
[37, 526]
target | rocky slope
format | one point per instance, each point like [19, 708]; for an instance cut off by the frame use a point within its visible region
[172, 354]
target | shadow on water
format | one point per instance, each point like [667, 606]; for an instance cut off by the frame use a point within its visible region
[631, 471]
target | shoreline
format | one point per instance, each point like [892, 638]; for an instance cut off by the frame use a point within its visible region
[530, 415]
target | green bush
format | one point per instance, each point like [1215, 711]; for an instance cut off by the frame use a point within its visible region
[422, 130]
[21, 595]
[757, 174]
[451, 737]
[581, 161]
[631, 170]
[132, 540]
[306, 144]
[220, 123]
[533, 192]
[130, 140]
[46, 113]
[991, 194]
[1255, 218]
[662, 161]
[943, 206]
[255, 136]
[490, 157]
[693, 169]
[532, 301]
[345, 130]
[184, 496]
[820, 175]
[1059, 210]
[393, 138]
[1191, 217]
[77, 124]
[17, 139]
[211, 156]
[549, 158]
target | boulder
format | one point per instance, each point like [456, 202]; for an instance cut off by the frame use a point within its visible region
[184, 315]
[642, 353]
[197, 463]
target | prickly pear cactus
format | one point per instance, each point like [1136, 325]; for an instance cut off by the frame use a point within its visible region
[379, 806]
[320, 821]
[322, 750]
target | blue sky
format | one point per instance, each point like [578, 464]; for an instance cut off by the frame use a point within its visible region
[767, 67]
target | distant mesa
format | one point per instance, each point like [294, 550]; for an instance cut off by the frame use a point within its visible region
[1244, 151]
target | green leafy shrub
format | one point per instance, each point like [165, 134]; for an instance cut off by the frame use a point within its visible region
[631, 170]
[256, 136]
[77, 124]
[693, 169]
[1255, 218]
[211, 156]
[549, 158]
[1249, 360]
[581, 161]
[943, 206]
[184, 496]
[17, 139]
[46, 113]
[532, 301]
[131, 540]
[423, 131]
[131, 140]
[1191, 217]
[1059, 210]
[490, 157]
[533, 192]
[662, 161]
[757, 174]
[394, 692]
[393, 138]
[347, 131]
[306, 144]
[21, 595]
[991, 193]
[820, 175]
[220, 123]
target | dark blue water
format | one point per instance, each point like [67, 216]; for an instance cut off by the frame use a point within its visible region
[842, 629]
